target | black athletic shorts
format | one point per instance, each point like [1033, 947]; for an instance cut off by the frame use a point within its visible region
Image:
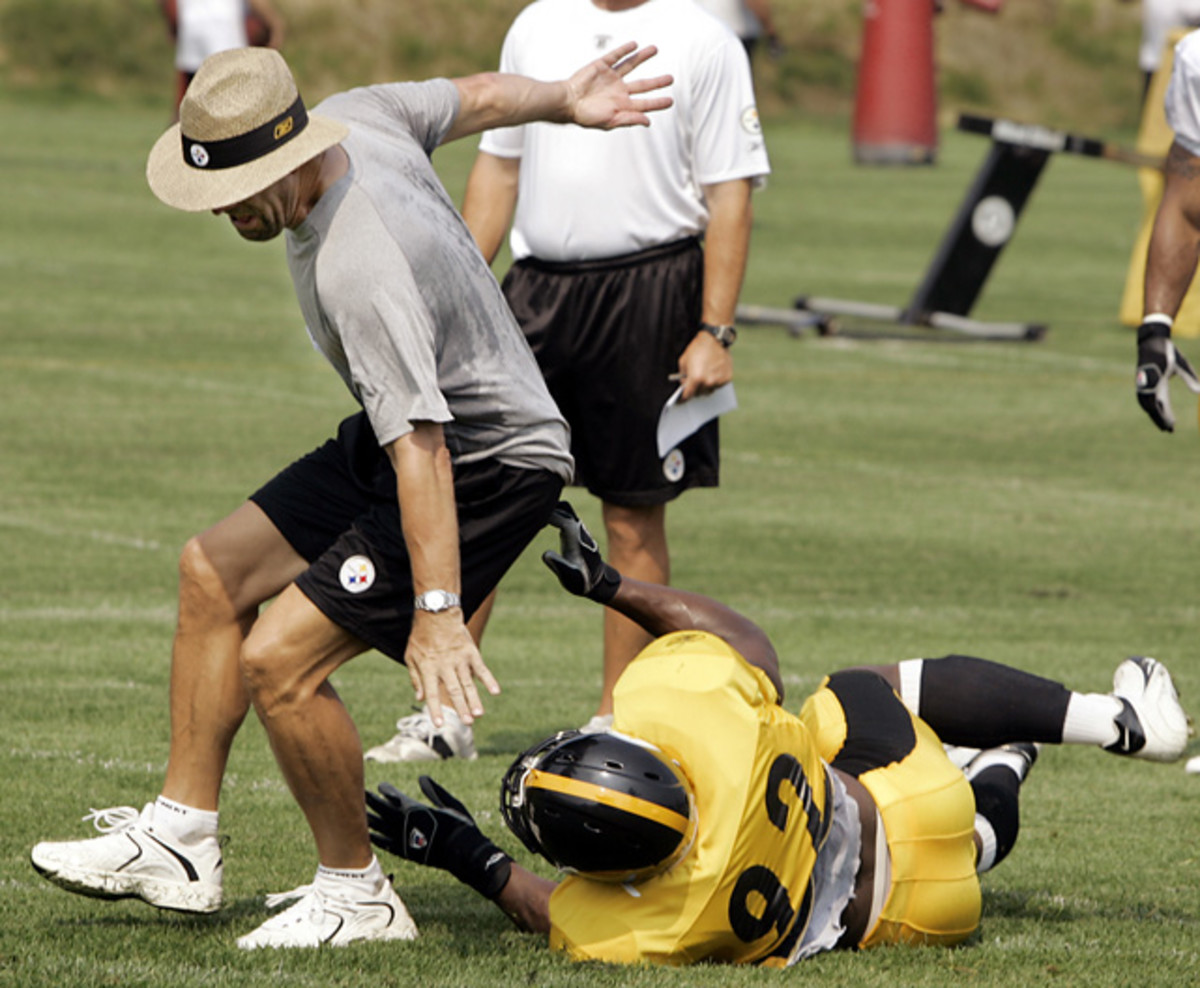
[607, 335]
[337, 507]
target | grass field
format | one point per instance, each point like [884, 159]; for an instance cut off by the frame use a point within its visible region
[880, 500]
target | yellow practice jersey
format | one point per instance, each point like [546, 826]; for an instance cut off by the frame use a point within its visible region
[763, 795]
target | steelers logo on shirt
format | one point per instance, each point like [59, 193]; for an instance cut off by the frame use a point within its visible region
[750, 122]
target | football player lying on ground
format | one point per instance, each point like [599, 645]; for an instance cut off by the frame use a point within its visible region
[710, 824]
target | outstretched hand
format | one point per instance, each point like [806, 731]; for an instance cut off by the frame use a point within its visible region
[440, 834]
[601, 96]
[578, 564]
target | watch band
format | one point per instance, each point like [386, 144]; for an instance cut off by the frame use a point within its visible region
[725, 335]
[435, 601]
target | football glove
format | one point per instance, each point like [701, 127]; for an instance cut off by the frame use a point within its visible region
[443, 835]
[1159, 361]
[578, 565]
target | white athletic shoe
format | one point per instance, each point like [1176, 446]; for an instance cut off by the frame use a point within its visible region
[1018, 756]
[319, 920]
[134, 861]
[1152, 723]
[598, 724]
[417, 740]
[960, 755]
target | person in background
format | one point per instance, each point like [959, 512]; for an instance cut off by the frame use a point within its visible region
[750, 20]
[201, 28]
[1174, 249]
[629, 258]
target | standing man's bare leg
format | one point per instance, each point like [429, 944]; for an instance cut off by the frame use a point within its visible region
[224, 575]
[637, 547]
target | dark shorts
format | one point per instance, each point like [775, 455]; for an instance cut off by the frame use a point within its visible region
[607, 335]
[337, 508]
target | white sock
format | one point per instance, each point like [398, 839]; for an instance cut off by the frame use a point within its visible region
[987, 844]
[184, 823]
[347, 883]
[1091, 719]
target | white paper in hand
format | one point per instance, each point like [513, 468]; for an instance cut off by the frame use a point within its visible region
[679, 420]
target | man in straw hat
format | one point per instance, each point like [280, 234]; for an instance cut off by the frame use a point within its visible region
[387, 535]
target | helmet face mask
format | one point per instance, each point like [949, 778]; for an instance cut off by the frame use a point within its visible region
[606, 806]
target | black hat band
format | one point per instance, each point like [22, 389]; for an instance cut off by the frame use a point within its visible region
[234, 151]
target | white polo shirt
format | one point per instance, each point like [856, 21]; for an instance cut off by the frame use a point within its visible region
[1183, 93]
[587, 194]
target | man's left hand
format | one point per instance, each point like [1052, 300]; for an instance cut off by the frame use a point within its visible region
[704, 366]
[442, 658]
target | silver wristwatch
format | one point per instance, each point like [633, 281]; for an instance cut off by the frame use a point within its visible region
[436, 600]
[725, 335]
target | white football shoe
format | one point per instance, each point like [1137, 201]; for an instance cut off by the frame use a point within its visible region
[417, 740]
[133, 860]
[597, 724]
[319, 919]
[1152, 724]
[1018, 756]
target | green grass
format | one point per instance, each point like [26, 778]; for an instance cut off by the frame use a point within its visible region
[880, 500]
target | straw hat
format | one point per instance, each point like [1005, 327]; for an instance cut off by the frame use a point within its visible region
[242, 127]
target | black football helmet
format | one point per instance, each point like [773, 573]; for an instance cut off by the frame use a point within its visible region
[602, 805]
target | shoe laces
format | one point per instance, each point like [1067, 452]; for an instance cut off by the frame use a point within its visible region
[279, 898]
[418, 725]
[112, 818]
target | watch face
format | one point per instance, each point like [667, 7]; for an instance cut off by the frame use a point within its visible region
[436, 600]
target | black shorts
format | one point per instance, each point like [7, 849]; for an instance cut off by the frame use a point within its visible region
[607, 335]
[337, 507]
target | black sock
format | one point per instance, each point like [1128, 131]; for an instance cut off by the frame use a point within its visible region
[997, 798]
[981, 704]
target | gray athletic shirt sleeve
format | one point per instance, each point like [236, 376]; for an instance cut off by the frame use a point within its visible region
[397, 297]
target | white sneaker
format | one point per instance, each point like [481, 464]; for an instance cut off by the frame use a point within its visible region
[1018, 756]
[318, 919]
[598, 724]
[1152, 723]
[134, 861]
[960, 755]
[417, 740]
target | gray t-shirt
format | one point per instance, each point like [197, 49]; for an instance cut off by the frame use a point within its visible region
[398, 298]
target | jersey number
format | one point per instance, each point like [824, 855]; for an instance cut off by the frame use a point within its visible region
[760, 902]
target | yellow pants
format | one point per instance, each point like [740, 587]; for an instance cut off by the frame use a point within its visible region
[862, 727]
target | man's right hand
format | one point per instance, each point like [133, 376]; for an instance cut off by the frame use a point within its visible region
[1158, 362]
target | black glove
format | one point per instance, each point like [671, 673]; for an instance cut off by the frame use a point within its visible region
[442, 836]
[579, 566]
[1158, 362]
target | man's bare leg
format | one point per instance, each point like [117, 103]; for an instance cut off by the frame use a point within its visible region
[291, 652]
[224, 575]
[637, 547]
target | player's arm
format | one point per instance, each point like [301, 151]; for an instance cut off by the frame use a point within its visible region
[442, 658]
[490, 200]
[707, 364]
[658, 609]
[1175, 239]
[1170, 266]
[599, 96]
[441, 833]
[525, 899]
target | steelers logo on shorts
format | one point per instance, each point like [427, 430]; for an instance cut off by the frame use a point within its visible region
[673, 465]
[357, 574]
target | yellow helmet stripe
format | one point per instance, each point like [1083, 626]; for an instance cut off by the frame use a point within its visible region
[607, 797]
